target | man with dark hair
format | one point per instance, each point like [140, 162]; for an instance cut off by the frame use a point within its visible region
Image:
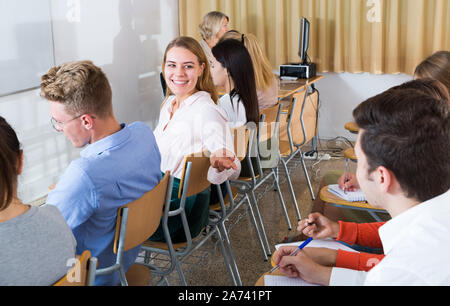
[403, 167]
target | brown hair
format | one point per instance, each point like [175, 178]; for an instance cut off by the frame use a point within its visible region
[205, 82]
[427, 86]
[436, 66]
[81, 86]
[408, 132]
[9, 157]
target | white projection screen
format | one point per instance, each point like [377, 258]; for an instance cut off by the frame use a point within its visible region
[26, 44]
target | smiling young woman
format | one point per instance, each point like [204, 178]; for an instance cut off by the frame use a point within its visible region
[191, 122]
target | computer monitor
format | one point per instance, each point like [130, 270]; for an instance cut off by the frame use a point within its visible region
[303, 40]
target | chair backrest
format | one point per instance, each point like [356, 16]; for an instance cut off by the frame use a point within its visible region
[309, 115]
[269, 117]
[303, 117]
[294, 117]
[200, 164]
[241, 136]
[79, 274]
[144, 214]
[268, 136]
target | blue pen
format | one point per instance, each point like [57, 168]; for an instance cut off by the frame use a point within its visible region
[300, 247]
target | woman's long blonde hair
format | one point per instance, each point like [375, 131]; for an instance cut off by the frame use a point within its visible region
[264, 76]
[205, 82]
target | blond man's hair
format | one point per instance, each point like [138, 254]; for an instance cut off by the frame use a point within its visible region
[205, 82]
[81, 86]
[211, 24]
[264, 76]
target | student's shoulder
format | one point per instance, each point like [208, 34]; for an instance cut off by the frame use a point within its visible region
[206, 104]
[141, 131]
[50, 213]
[139, 126]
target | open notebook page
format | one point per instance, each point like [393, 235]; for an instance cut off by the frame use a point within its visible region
[349, 196]
[277, 280]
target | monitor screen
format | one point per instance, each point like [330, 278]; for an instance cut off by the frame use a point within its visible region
[303, 40]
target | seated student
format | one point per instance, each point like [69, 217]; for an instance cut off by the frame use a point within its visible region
[118, 165]
[213, 26]
[436, 67]
[232, 69]
[191, 122]
[36, 243]
[427, 86]
[266, 82]
[403, 167]
[348, 232]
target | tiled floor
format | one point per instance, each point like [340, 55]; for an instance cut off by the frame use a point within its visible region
[207, 267]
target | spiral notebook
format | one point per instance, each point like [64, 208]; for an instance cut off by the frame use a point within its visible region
[350, 196]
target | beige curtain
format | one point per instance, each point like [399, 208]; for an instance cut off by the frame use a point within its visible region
[377, 36]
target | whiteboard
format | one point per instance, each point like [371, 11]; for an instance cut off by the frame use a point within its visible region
[26, 44]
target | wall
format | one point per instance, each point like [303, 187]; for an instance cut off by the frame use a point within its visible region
[340, 93]
[126, 38]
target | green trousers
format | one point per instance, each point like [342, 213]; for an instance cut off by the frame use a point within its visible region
[197, 213]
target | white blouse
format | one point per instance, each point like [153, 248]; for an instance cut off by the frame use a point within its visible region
[235, 111]
[198, 125]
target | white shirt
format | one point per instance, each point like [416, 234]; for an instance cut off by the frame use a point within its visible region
[417, 248]
[235, 111]
[198, 125]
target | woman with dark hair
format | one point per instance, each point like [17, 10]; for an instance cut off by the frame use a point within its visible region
[36, 243]
[232, 69]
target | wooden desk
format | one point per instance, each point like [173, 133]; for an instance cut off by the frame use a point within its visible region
[288, 88]
[334, 200]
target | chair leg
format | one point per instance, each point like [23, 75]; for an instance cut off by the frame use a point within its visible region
[180, 272]
[123, 279]
[291, 189]
[258, 234]
[283, 205]
[261, 224]
[307, 178]
[232, 267]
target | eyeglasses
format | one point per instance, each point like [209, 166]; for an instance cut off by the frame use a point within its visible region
[58, 125]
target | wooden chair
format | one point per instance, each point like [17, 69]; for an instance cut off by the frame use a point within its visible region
[334, 200]
[136, 222]
[82, 274]
[267, 133]
[350, 154]
[300, 129]
[243, 139]
[193, 181]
